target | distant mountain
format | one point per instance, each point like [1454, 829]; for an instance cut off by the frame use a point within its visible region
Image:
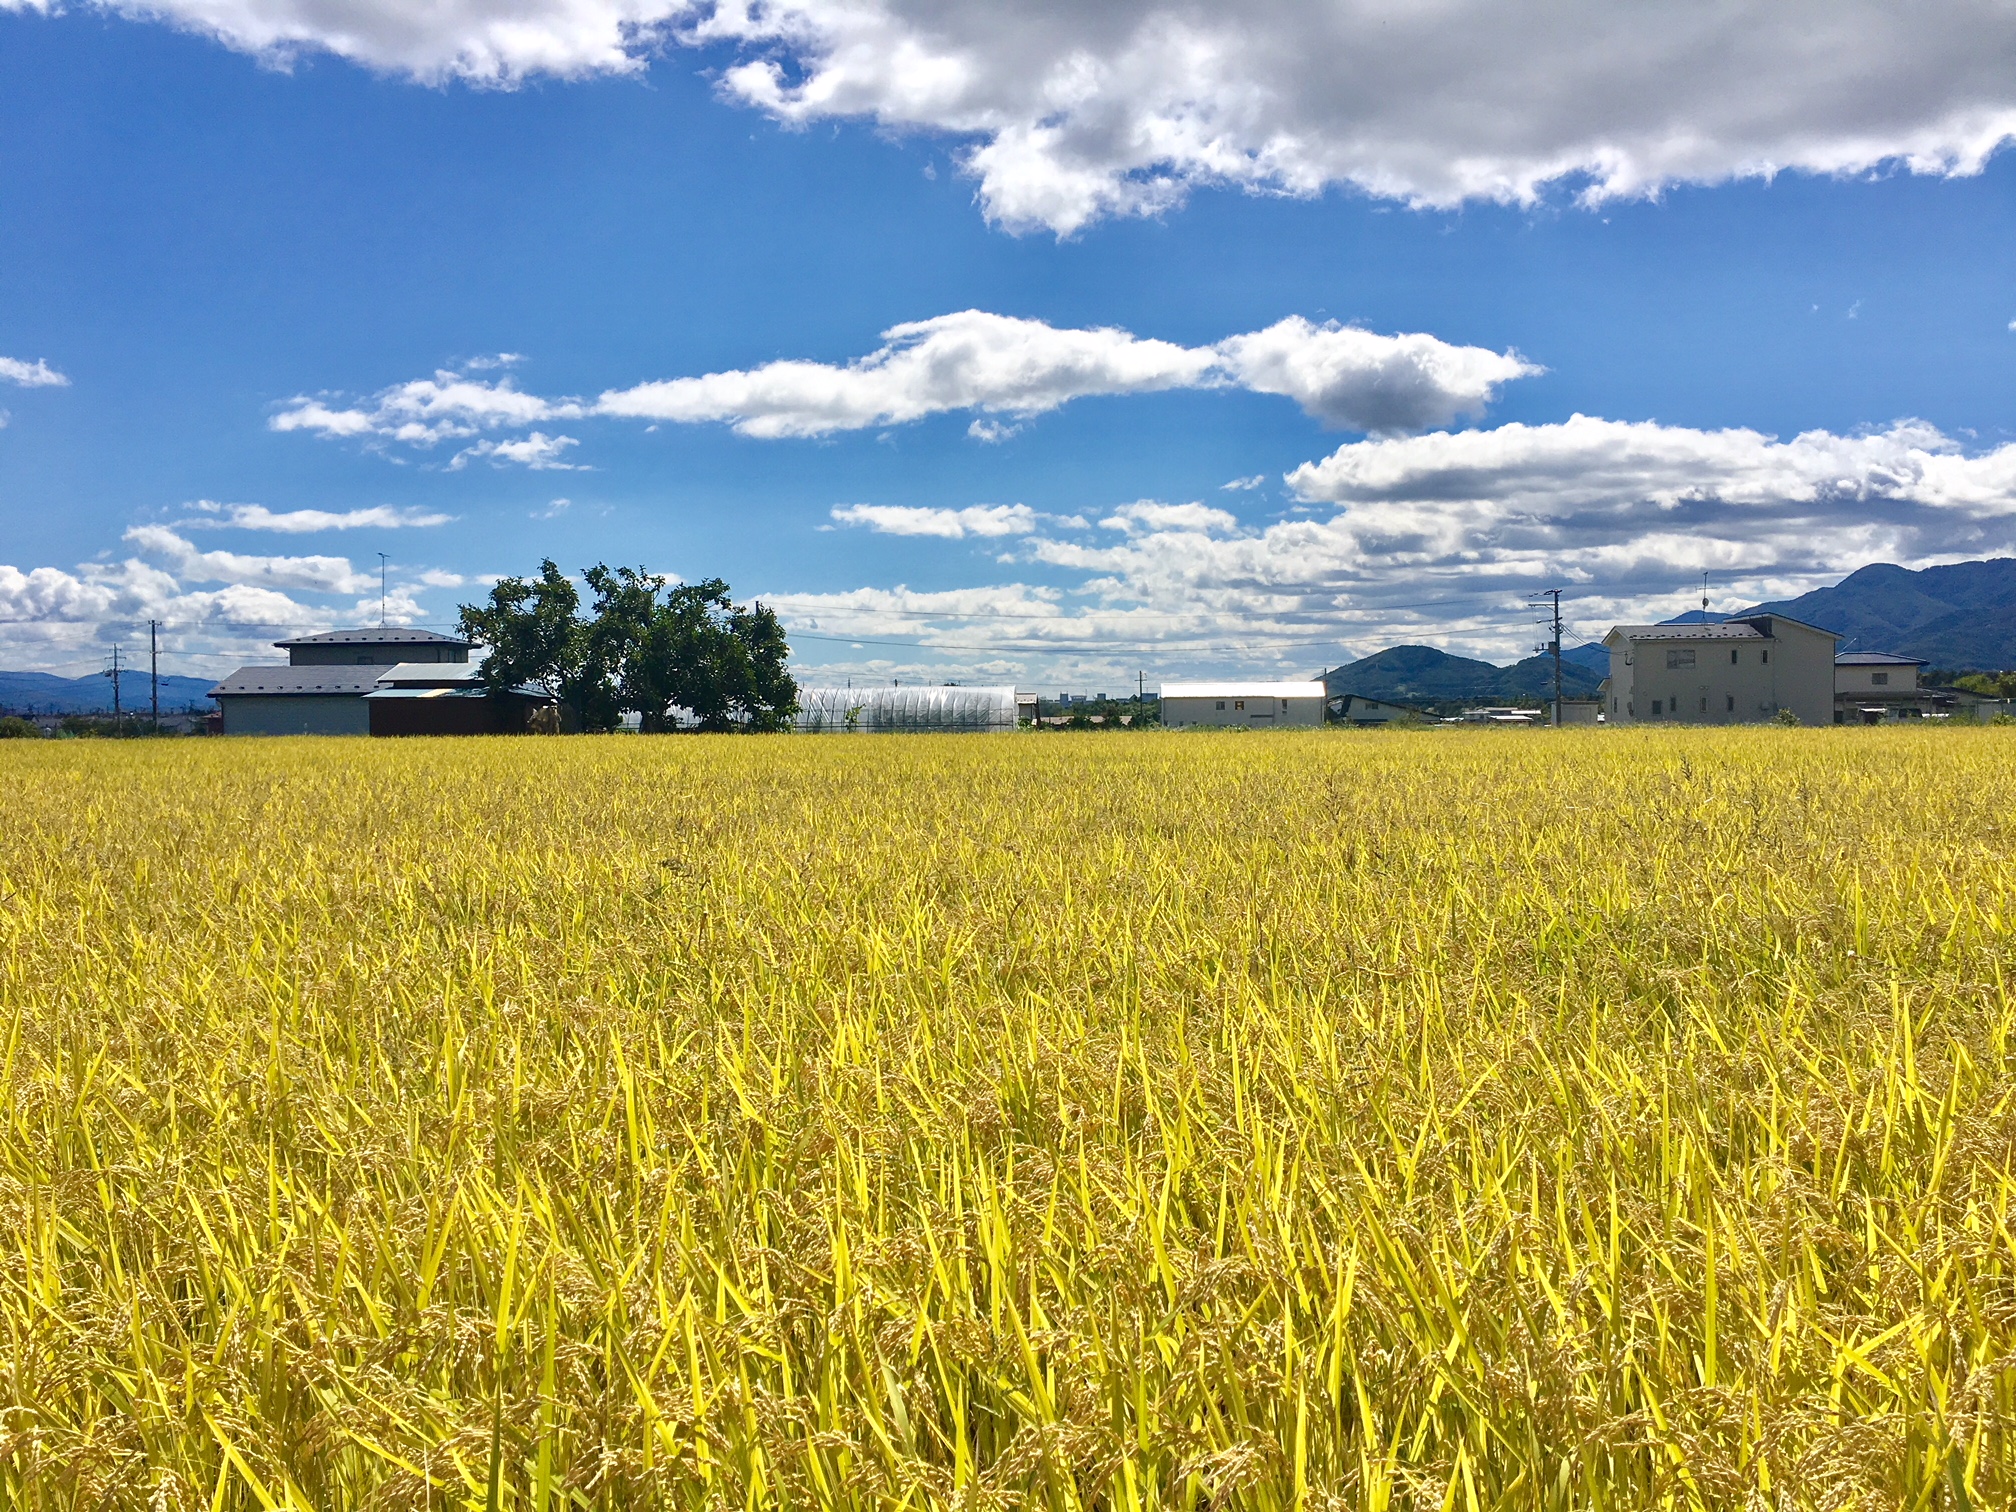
[1595, 658]
[1962, 617]
[1423, 675]
[46, 693]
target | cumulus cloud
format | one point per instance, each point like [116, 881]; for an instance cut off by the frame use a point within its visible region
[423, 412]
[999, 365]
[1442, 538]
[190, 564]
[37, 374]
[1121, 108]
[538, 451]
[968, 360]
[64, 620]
[951, 524]
[309, 521]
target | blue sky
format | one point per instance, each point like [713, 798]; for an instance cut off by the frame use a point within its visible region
[235, 258]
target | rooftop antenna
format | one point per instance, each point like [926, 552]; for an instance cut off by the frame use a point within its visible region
[381, 590]
[1704, 595]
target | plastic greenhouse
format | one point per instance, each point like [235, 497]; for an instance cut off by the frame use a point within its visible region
[848, 711]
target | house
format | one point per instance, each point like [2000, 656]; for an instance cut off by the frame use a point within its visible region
[386, 646]
[321, 689]
[449, 698]
[1740, 671]
[1356, 709]
[1873, 686]
[1243, 705]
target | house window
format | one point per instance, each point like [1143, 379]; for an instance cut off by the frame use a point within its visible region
[1704, 703]
[1655, 708]
[1732, 656]
[1678, 657]
[1221, 703]
[1765, 656]
[1880, 679]
[1284, 706]
[1238, 703]
[1732, 704]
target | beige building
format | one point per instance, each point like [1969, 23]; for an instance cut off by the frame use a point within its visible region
[1246, 706]
[1738, 672]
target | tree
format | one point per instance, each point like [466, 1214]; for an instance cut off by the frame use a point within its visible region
[646, 646]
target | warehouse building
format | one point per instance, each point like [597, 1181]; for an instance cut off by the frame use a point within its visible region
[1740, 671]
[1243, 705]
[363, 682]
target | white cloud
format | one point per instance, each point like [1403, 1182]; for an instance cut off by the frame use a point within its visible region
[1361, 381]
[1442, 538]
[308, 521]
[952, 524]
[37, 374]
[538, 451]
[968, 360]
[180, 556]
[449, 406]
[1077, 112]
[1007, 365]
[1243, 485]
[1146, 516]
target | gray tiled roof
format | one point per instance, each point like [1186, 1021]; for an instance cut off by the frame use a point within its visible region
[384, 635]
[1876, 659]
[283, 681]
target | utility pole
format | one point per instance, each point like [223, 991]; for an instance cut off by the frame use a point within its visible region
[1553, 645]
[381, 590]
[1140, 694]
[1704, 595]
[118, 719]
[154, 671]
[1555, 594]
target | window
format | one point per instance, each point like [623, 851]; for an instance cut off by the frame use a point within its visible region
[1613, 705]
[1732, 704]
[1284, 706]
[1880, 679]
[1765, 656]
[1732, 656]
[1221, 703]
[1704, 703]
[1655, 708]
[1238, 703]
[1679, 656]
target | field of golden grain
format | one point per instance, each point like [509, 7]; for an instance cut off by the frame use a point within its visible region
[1605, 1119]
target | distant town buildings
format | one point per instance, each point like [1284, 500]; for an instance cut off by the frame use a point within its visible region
[1243, 705]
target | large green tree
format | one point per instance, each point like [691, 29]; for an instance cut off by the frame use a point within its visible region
[647, 645]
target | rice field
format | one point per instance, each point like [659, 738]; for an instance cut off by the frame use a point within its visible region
[1462, 1120]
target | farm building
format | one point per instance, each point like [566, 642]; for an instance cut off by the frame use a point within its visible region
[436, 698]
[386, 681]
[1740, 671]
[1871, 687]
[387, 646]
[1243, 705]
[321, 689]
[1356, 709]
[918, 710]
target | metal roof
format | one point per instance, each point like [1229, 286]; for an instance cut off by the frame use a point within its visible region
[1877, 659]
[1244, 690]
[383, 635]
[429, 675]
[297, 681]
